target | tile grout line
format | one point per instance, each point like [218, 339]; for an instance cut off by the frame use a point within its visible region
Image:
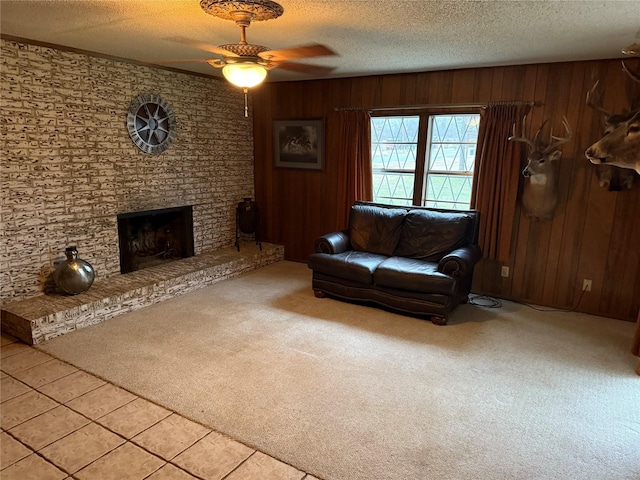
[239, 465]
[68, 434]
[31, 366]
[35, 452]
[40, 364]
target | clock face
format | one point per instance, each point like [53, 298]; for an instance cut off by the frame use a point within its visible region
[151, 123]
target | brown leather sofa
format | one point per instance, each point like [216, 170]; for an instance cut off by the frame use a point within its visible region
[413, 260]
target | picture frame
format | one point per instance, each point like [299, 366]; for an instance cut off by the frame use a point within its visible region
[299, 144]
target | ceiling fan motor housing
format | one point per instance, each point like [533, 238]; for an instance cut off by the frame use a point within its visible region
[244, 50]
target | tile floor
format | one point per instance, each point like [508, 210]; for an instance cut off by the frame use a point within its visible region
[58, 422]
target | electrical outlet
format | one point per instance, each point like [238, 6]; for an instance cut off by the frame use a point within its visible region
[586, 285]
[504, 271]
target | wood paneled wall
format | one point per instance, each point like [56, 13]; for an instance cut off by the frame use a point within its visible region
[595, 233]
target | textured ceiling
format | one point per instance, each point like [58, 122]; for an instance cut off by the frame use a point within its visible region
[371, 37]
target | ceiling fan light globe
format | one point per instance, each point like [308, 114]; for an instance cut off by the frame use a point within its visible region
[244, 75]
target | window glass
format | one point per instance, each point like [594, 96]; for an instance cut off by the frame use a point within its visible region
[394, 143]
[448, 164]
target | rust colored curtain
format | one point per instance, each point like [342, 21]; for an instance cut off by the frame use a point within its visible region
[355, 180]
[495, 183]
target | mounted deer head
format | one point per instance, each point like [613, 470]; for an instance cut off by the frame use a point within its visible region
[620, 144]
[615, 178]
[540, 192]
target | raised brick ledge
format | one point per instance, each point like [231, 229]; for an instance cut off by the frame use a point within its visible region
[40, 318]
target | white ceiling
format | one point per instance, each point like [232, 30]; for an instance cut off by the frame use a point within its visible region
[371, 37]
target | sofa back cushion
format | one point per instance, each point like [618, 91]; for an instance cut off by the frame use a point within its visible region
[375, 229]
[430, 235]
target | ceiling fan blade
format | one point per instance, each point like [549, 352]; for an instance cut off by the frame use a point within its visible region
[305, 51]
[305, 68]
[203, 46]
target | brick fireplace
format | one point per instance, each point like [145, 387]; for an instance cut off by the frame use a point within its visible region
[70, 168]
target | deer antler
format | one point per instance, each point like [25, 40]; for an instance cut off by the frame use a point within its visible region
[537, 135]
[560, 140]
[633, 50]
[634, 76]
[522, 138]
[594, 100]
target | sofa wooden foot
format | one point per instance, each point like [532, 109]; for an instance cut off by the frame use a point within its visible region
[438, 320]
[319, 294]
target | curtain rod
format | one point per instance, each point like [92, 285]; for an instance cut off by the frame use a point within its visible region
[435, 105]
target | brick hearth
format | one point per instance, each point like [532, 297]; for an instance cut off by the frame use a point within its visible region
[37, 319]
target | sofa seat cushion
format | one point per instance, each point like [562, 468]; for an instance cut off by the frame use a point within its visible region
[415, 275]
[430, 235]
[350, 265]
[375, 229]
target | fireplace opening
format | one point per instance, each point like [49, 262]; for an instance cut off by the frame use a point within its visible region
[154, 237]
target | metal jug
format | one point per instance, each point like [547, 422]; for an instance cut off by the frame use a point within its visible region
[73, 276]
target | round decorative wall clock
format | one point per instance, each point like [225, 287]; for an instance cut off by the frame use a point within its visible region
[151, 123]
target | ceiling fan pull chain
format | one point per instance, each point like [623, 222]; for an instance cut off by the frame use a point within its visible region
[246, 103]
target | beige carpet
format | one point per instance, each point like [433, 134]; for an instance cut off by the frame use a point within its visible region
[347, 392]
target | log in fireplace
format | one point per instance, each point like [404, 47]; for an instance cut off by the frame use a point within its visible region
[154, 237]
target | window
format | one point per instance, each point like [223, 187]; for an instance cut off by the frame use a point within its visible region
[424, 159]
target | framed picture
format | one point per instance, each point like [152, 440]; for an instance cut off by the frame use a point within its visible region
[299, 143]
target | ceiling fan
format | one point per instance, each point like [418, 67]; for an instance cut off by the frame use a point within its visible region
[245, 64]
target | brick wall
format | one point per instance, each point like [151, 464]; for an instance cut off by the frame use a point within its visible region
[69, 166]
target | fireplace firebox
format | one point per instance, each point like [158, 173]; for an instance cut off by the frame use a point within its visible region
[154, 237]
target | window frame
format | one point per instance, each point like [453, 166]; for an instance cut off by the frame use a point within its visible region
[423, 145]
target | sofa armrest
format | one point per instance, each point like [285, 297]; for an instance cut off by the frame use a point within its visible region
[461, 261]
[335, 242]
